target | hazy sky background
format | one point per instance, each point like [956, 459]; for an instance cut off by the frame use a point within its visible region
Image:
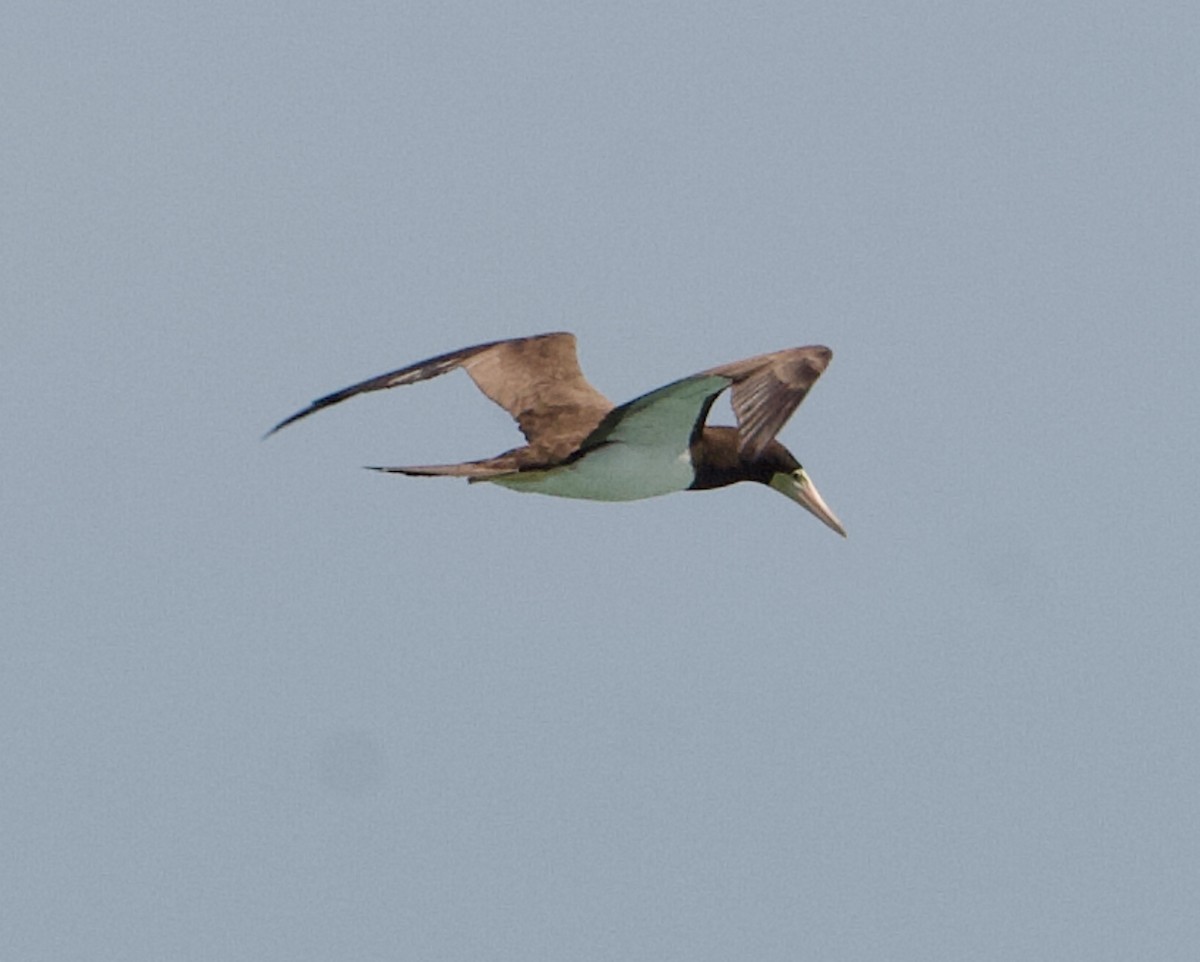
[259, 704]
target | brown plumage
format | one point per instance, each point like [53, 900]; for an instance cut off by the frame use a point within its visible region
[580, 445]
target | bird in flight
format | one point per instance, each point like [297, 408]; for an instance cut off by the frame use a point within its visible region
[582, 446]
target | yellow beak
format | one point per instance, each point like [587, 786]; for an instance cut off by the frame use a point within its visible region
[799, 487]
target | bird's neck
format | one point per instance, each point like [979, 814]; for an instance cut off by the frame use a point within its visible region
[716, 459]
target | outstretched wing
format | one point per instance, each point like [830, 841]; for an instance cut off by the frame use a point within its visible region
[666, 418]
[536, 379]
[768, 388]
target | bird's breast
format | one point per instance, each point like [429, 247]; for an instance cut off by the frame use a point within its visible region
[611, 472]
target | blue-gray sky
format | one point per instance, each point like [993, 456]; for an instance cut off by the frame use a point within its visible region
[259, 704]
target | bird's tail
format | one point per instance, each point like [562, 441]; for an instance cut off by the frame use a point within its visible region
[471, 470]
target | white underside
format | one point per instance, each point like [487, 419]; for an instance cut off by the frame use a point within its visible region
[644, 452]
[615, 472]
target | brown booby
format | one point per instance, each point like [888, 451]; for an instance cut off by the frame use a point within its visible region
[581, 446]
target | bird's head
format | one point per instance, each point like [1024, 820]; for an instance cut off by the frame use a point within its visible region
[720, 460]
[797, 485]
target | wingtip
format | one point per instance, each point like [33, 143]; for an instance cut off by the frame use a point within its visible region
[289, 420]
